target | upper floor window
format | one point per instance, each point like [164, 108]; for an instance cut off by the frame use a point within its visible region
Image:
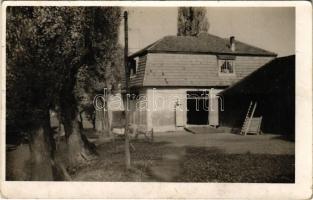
[226, 65]
[134, 67]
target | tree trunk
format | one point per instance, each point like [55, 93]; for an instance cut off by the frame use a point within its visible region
[41, 147]
[79, 149]
[74, 142]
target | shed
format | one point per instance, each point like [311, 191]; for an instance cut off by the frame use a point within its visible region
[273, 87]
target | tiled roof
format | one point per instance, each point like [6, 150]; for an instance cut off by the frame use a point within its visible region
[204, 43]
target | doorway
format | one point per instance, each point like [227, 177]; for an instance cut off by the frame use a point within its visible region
[197, 108]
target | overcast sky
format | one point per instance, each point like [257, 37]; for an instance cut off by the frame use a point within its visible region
[270, 28]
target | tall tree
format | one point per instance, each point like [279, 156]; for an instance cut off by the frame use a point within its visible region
[191, 21]
[30, 83]
[50, 53]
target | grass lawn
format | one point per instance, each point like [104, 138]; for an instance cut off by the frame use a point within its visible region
[201, 165]
[195, 164]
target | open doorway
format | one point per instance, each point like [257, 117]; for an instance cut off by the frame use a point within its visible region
[197, 108]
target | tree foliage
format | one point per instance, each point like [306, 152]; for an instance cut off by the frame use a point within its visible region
[57, 57]
[53, 49]
[191, 21]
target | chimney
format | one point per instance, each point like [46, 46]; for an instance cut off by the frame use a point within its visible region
[232, 43]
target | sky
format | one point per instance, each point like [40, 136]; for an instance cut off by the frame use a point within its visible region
[272, 29]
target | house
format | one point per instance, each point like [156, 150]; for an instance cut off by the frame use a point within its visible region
[175, 80]
[273, 88]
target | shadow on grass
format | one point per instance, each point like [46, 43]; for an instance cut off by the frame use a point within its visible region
[192, 164]
[285, 138]
[212, 165]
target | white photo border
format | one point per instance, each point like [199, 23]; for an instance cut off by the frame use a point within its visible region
[301, 189]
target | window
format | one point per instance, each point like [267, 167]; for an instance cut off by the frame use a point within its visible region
[134, 67]
[226, 65]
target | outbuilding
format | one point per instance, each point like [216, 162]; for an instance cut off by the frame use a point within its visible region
[272, 87]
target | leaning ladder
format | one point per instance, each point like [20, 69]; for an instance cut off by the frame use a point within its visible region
[251, 124]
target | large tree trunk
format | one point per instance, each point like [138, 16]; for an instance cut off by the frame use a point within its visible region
[79, 149]
[41, 147]
[74, 142]
[45, 163]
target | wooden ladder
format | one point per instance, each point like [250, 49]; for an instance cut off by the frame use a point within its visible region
[251, 124]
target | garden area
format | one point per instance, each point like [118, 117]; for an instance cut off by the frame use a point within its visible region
[178, 158]
[164, 161]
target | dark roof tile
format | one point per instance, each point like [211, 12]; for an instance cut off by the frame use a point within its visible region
[204, 43]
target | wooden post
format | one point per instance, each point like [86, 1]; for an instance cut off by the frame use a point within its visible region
[152, 135]
[103, 119]
[105, 110]
[127, 151]
[106, 113]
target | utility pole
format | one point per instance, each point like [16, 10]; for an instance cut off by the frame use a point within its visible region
[127, 151]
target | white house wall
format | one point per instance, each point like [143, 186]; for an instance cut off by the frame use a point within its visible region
[161, 105]
[161, 114]
[138, 109]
